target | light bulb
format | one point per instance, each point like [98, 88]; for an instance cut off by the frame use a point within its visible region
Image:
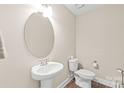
[37, 6]
[47, 11]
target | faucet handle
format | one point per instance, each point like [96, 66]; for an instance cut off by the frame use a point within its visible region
[47, 59]
[44, 61]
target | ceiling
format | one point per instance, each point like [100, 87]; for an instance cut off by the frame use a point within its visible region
[78, 9]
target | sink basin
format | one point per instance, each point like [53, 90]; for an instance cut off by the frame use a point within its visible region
[45, 73]
[50, 70]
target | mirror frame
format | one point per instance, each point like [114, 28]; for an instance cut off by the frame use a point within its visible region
[27, 47]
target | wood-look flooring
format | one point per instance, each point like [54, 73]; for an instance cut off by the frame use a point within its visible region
[94, 84]
[72, 84]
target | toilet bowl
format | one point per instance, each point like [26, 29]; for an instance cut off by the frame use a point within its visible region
[82, 77]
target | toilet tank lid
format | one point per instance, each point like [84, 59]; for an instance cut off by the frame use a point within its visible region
[85, 72]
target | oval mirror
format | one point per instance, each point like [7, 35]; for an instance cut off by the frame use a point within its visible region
[39, 35]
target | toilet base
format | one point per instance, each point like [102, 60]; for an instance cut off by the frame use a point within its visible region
[84, 83]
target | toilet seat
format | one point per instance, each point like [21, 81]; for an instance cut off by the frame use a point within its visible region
[83, 73]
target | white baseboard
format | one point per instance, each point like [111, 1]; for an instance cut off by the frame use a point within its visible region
[65, 82]
[97, 79]
[105, 82]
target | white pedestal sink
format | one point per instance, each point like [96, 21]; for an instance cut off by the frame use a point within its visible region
[46, 73]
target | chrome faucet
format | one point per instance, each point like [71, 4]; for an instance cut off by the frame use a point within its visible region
[44, 61]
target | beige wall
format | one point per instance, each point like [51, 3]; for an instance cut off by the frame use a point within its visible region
[15, 69]
[100, 36]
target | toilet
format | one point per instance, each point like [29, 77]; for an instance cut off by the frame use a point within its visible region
[82, 77]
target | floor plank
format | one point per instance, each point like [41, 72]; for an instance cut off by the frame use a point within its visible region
[94, 84]
[72, 84]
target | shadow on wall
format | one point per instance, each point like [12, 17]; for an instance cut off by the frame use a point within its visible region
[2, 49]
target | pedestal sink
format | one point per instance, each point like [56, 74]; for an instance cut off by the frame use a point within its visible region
[46, 73]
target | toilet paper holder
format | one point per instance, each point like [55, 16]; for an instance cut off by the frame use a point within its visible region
[95, 64]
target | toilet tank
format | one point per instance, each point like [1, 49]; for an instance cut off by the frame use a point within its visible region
[73, 64]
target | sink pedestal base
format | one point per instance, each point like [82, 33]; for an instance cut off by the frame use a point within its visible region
[46, 83]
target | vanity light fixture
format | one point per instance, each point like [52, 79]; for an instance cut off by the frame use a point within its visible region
[79, 6]
[45, 9]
